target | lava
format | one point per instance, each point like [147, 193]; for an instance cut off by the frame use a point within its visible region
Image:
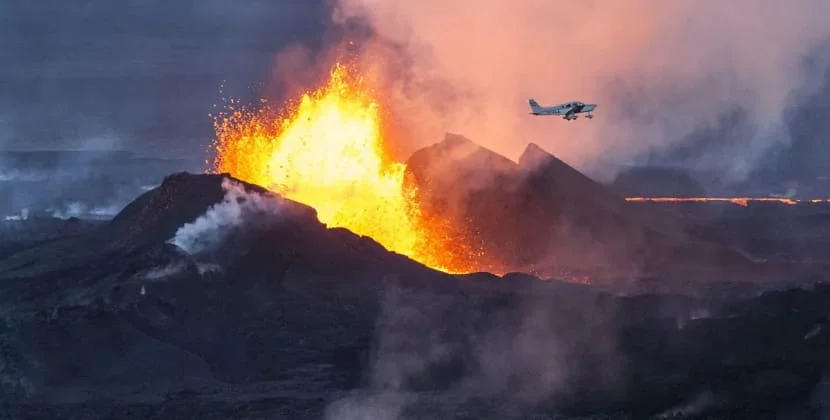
[327, 151]
[741, 201]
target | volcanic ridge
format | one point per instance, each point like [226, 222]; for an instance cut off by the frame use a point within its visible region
[211, 296]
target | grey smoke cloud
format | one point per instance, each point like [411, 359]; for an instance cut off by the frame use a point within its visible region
[660, 72]
[528, 355]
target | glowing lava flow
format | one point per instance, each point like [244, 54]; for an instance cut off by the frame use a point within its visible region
[741, 201]
[328, 152]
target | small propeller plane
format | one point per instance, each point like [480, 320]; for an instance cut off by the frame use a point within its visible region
[568, 110]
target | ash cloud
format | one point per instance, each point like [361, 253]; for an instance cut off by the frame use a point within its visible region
[661, 72]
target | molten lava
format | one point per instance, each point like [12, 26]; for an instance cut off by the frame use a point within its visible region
[741, 201]
[327, 151]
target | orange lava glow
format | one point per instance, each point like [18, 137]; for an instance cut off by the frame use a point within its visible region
[741, 201]
[327, 151]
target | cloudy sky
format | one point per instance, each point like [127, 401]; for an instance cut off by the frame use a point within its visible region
[715, 86]
[143, 75]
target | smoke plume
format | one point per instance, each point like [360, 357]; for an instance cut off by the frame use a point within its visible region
[661, 73]
[533, 352]
[221, 219]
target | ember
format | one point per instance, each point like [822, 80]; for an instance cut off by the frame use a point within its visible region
[328, 152]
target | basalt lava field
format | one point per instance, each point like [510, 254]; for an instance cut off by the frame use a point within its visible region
[211, 297]
[308, 275]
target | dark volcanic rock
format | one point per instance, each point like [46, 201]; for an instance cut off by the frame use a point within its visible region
[468, 185]
[588, 220]
[543, 216]
[180, 199]
[283, 316]
[657, 182]
[82, 183]
[124, 275]
[17, 235]
[800, 232]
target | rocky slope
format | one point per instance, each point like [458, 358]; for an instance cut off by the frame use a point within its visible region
[214, 299]
[542, 216]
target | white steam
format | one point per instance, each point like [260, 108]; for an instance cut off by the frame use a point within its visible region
[661, 72]
[207, 231]
[23, 215]
[163, 272]
[79, 209]
[23, 176]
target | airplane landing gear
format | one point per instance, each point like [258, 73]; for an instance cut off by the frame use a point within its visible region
[589, 116]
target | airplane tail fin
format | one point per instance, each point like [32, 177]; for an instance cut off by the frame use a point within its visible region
[534, 106]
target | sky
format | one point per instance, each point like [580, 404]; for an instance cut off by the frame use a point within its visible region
[139, 75]
[727, 84]
[717, 81]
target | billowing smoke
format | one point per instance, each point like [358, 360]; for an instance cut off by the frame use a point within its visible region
[661, 72]
[221, 219]
[527, 355]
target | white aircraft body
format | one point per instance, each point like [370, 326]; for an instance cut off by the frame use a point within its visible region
[568, 110]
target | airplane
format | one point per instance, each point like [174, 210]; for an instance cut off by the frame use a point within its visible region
[568, 110]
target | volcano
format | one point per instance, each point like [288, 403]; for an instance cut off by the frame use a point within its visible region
[454, 206]
[542, 216]
[211, 297]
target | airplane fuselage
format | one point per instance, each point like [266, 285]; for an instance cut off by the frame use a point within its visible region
[568, 110]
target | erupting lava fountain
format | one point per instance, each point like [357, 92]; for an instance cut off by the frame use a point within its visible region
[328, 152]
